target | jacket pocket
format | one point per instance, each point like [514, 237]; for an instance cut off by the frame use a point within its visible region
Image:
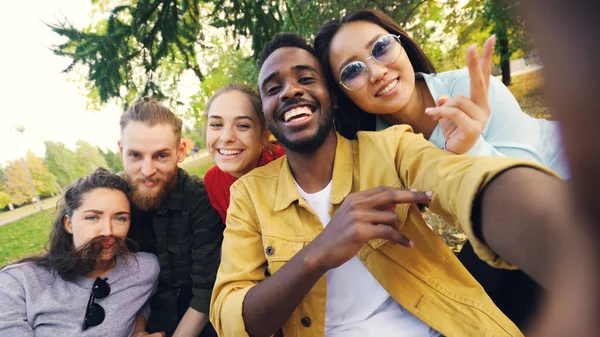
[279, 250]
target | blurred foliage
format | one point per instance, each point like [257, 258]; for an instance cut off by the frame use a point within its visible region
[89, 157]
[477, 20]
[68, 165]
[113, 160]
[182, 51]
[17, 186]
[528, 90]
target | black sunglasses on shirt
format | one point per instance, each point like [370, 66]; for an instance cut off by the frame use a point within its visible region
[94, 313]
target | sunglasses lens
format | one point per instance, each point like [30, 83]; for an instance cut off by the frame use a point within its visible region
[94, 315]
[387, 49]
[354, 75]
[101, 289]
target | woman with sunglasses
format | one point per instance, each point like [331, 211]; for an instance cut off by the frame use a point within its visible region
[88, 283]
[381, 77]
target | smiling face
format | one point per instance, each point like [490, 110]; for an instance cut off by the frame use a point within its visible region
[234, 135]
[150, 155]
[103, 212]
[389, 87]
[296, 100]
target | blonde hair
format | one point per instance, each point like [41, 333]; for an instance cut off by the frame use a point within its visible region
[246, 90]
[151, 112]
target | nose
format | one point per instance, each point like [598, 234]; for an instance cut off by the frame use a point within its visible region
[376, 71]
[107, 227]
[291, 90]
[148, 168]
[228, 135]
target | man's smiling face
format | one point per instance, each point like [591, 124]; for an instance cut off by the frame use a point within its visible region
[295, 99]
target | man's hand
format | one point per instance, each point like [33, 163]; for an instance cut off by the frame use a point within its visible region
[192, 323]
[140, 328]
[462, 119]
[363, 216]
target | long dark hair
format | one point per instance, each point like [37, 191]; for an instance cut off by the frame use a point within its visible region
[350, 118]
[61, 255]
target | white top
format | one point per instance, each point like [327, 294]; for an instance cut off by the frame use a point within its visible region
[357, 305]
[508, 132]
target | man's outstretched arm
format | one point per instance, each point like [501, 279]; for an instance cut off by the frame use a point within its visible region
[523, 215]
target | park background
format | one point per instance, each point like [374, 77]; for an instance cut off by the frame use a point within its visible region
[100, 55]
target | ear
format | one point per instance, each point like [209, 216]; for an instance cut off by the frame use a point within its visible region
[120, 149]
[181, 151]
[265, 135]
[67, 223]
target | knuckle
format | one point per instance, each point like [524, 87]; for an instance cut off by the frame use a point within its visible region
[381, 189]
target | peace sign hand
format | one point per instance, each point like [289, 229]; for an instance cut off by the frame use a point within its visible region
[462, 119]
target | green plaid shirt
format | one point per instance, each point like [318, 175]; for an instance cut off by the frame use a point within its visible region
[186, 235]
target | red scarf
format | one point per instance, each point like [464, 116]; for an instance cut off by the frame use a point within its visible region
[218, 182]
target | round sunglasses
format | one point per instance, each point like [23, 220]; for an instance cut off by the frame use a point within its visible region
[94, 314]
[385, 50]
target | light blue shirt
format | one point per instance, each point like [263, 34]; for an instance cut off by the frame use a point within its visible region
[509, 131]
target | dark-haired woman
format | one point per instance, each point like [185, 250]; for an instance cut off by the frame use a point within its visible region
[89, 283]
[381, 77]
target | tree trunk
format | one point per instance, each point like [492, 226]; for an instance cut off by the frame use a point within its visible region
[505, 61]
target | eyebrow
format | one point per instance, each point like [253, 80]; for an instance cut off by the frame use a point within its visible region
[367, 45]
[235, 118]
[296, 67]
[268, 78]
[304, 67]
[97, 211]
[166, 149]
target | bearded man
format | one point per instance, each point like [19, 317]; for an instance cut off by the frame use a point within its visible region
[172, 218]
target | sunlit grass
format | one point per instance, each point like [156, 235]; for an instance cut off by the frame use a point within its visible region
[25, 236]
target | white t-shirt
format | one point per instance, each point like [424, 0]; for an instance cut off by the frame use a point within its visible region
[357, 305]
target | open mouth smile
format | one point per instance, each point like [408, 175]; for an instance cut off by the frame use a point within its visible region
[387, 88]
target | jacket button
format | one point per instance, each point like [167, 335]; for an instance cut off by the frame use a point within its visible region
[305, 321]
[270, 250]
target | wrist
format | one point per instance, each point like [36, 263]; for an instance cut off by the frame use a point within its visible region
[313, 261]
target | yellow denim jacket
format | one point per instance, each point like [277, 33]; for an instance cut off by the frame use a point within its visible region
[268, 222]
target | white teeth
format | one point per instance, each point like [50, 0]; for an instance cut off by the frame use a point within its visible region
[229, 152]
[388, 88]
[303, 110]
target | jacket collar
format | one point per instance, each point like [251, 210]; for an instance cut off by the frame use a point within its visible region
[343, 171]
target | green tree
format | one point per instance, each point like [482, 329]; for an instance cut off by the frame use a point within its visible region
[113, 160]
[510, 31]
[198, 136]
[17, 185]
[4, 200]
[144, 35]
[89, 157]
[63, 163]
